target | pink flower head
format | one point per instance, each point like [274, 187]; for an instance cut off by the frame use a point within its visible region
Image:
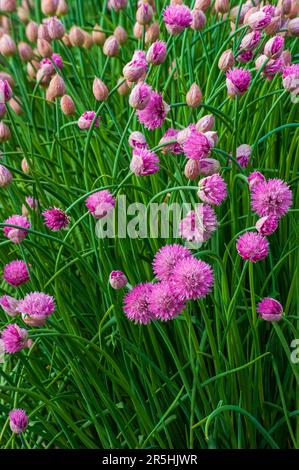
[9, 305]
[250, 40]
[18, 421]
[86, 120]
[270, 309]
[100, 203]
[16, 273]
[269, 67]
[163, 302]
[136, 304]
[5, 91]
[56, 58]
[173, 148]
[291, 78]
[192, 279]
[140, 96]
[144, 162]
[164, 263]
[252, 246]
[196, 145]
[118, 279]
[15, 339]
[199, 225]
[137, 140]
[272, 197]
[212, 189]
[259, 20]
[237, 81]
[155, 112]
[16, 235]
[243, 155]
[177, 18]
[36, 307]
[156, 54]
[56, 219]
[135, 69]
[267, 225]
[245, 57]
[274, 47]
[254, 179]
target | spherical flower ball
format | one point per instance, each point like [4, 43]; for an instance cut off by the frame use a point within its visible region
[166, 258]
[86, 120]
[270, 309]
[174, 148]
[254, 179]
[252, 246]
[192, 279]
[271, 197]
[137, 140]
[118, 279]
[16, 235]
[18, 421]
[212, 189]
[177, 18]
[267, 225]
[9, 305]
[163, 302]
[196, 145]
[156, 54]
[36, 307]
[56, 219]
[237, 81]
[16, 273]
[136, 304]
[144, 162]
[243, 155]
[290, 78]
[100, 203]
[153, 116]
[199, 225]
[15, 339]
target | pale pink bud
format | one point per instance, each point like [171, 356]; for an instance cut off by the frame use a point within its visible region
[118, 280]
[194, 96]
[192, 169]
[138, 31]
[286, 57]
[32, 31]
[157, 53]
[259, 20]
[32, 68]
[182, 135]
[212, 137]
[285, 5]
[25, 52]
[274, 47]
[25, 166]
[44, 48]
[43, 32]
[111, 47]
[3, 110]
[206, 123]
[124, 88]
[49, 7]
[198, 20]
[7, 46]
[140, 96]
[56, 88]
[137, 140]
[100, 90]
[144, 14]
[248, 13]
[202, 4]
[8, 5]
[222, 6]
[6, 76]
[76, 36]
[208, 166]
[294, 9]
[15, 106]
[67, 105]
[120, 34]
[293, 27]
[226, 60]
[44, 74]
[5, 91]
[5, 177]
[62, 8]
[4, 132]
[98, 37]
[56, 28]
[152, 33]
[88, 41]
[66, 40]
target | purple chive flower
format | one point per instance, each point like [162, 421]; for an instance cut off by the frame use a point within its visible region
[137, 140]
[100, 203]
[5, 91]
[118, 279]
[243, 155]
[36, 307]
[144, 162]
[177, 18]
[9, 305]
[155, 112]
[16, 235]
[267, 225]
[136, 304]
[269, 309]
[86, 120]
[18, 421]
[199, 225]
[212, 189]
[56, 219]
[252, 246]
[196, 145]
[16, 273]
[156, 54]
[192, 279]
[290, 78]
[163, 302]
[140, 96]
[272, 197]
[56, 58]
[166, 258]
[15, 339]
[237, 81]
[254, 179]
[274, 47]
[173, 148]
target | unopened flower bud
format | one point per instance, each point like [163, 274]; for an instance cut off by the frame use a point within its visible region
[274, 25]
[274, 47]
[194, 96]
[67, 105]
[66, 40]
[98, 37]
[32, 31]
[152, 33]
[137, 140]
[212, 137]
[7, 46]
[88, 41]
[293, 27]
[118, 280]
[138, 31]
[222, 6]
[5, 177]
[100, 90]
[32, 68]
[15, 106]
[144, 14]
[208, 166]
[4, 132]
[8, 5]
[226, 60]
[76, 36]
[62, 8]
[43, 32]
[56, 88]
[286, 57]
[120, 34]
[192, 169]
[157, 53]
[111, 47]
[124, 88]
[140, 96]
[56, 28]
[202, 5]
[25, 166]
[206, 123]
[25, 51]
[44, 48]
[49, 7]
[5, 91]
[3, 110]
[198, 20]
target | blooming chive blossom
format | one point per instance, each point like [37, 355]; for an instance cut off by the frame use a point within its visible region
[100, 203]
[212, 189]
[252, 246]
[174, 148]
[136, 304]
[166, 259]
[118, 279]
[155, 112]
[177, 18]
[86, 120]
[15, 339]
[163, 302]
[16, 273]
[18, 421]
[192, 279]
[271, 197]
[267, 225]
[144, 162]
[9, 305]
[56, 219]
[36, 307]
[199, 225]
[237, 81]
[196, 146]
[270, 309]
[16, 235]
